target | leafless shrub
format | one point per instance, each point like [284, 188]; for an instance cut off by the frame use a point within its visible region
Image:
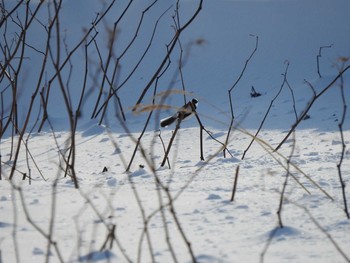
[102, 81]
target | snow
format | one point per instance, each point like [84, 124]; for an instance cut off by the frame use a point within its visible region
[219, 230]
[194, 194]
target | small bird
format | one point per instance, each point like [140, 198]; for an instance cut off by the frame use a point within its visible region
[181, 114]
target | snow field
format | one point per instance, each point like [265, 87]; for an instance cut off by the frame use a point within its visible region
[219, 230]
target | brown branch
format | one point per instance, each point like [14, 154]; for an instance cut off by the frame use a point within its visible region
[340, 163]
[102, 219]
[36, 227]
[113, 93]
[318, 58]
[161, 139]
[268, 110]
[235, 184]
[170, 49]
[20, 138]
[171, 142]
[146, 123]
[282, 198]
[329, 237]
[109, 57]
[234, 85]
[309, 105]
[77, 46]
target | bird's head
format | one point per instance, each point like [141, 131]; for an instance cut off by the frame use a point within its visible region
[195, 102]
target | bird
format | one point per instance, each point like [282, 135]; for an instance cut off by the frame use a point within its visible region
[185, 111]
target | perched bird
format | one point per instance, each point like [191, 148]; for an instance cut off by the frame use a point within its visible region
[181, 114]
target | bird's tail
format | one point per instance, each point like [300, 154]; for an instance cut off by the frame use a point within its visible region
[167, 121]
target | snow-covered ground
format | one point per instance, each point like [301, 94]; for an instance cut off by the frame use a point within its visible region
[219, 230]
[198, 221]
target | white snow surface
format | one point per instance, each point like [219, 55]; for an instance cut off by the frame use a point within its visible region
[196, 205]
[219, 230]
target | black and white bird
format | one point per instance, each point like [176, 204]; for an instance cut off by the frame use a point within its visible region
[181, 114]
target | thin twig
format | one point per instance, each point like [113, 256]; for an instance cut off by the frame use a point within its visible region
[170, 49]
[234, 85]
[268, 110]
[309, 105]
[282, 198]
[235, 184]
[340, 163]
[318, 58]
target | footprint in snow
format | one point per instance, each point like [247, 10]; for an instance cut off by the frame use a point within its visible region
[213, 197]
[140, 173]
[3, 224]
[280, 234]
[111, 181]
[104, 140]
[34, 201]
[209, 259]
[215, 135]
[98, 256]
[229, 160]
[220, 160]
[39, 251]
[117, 151]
